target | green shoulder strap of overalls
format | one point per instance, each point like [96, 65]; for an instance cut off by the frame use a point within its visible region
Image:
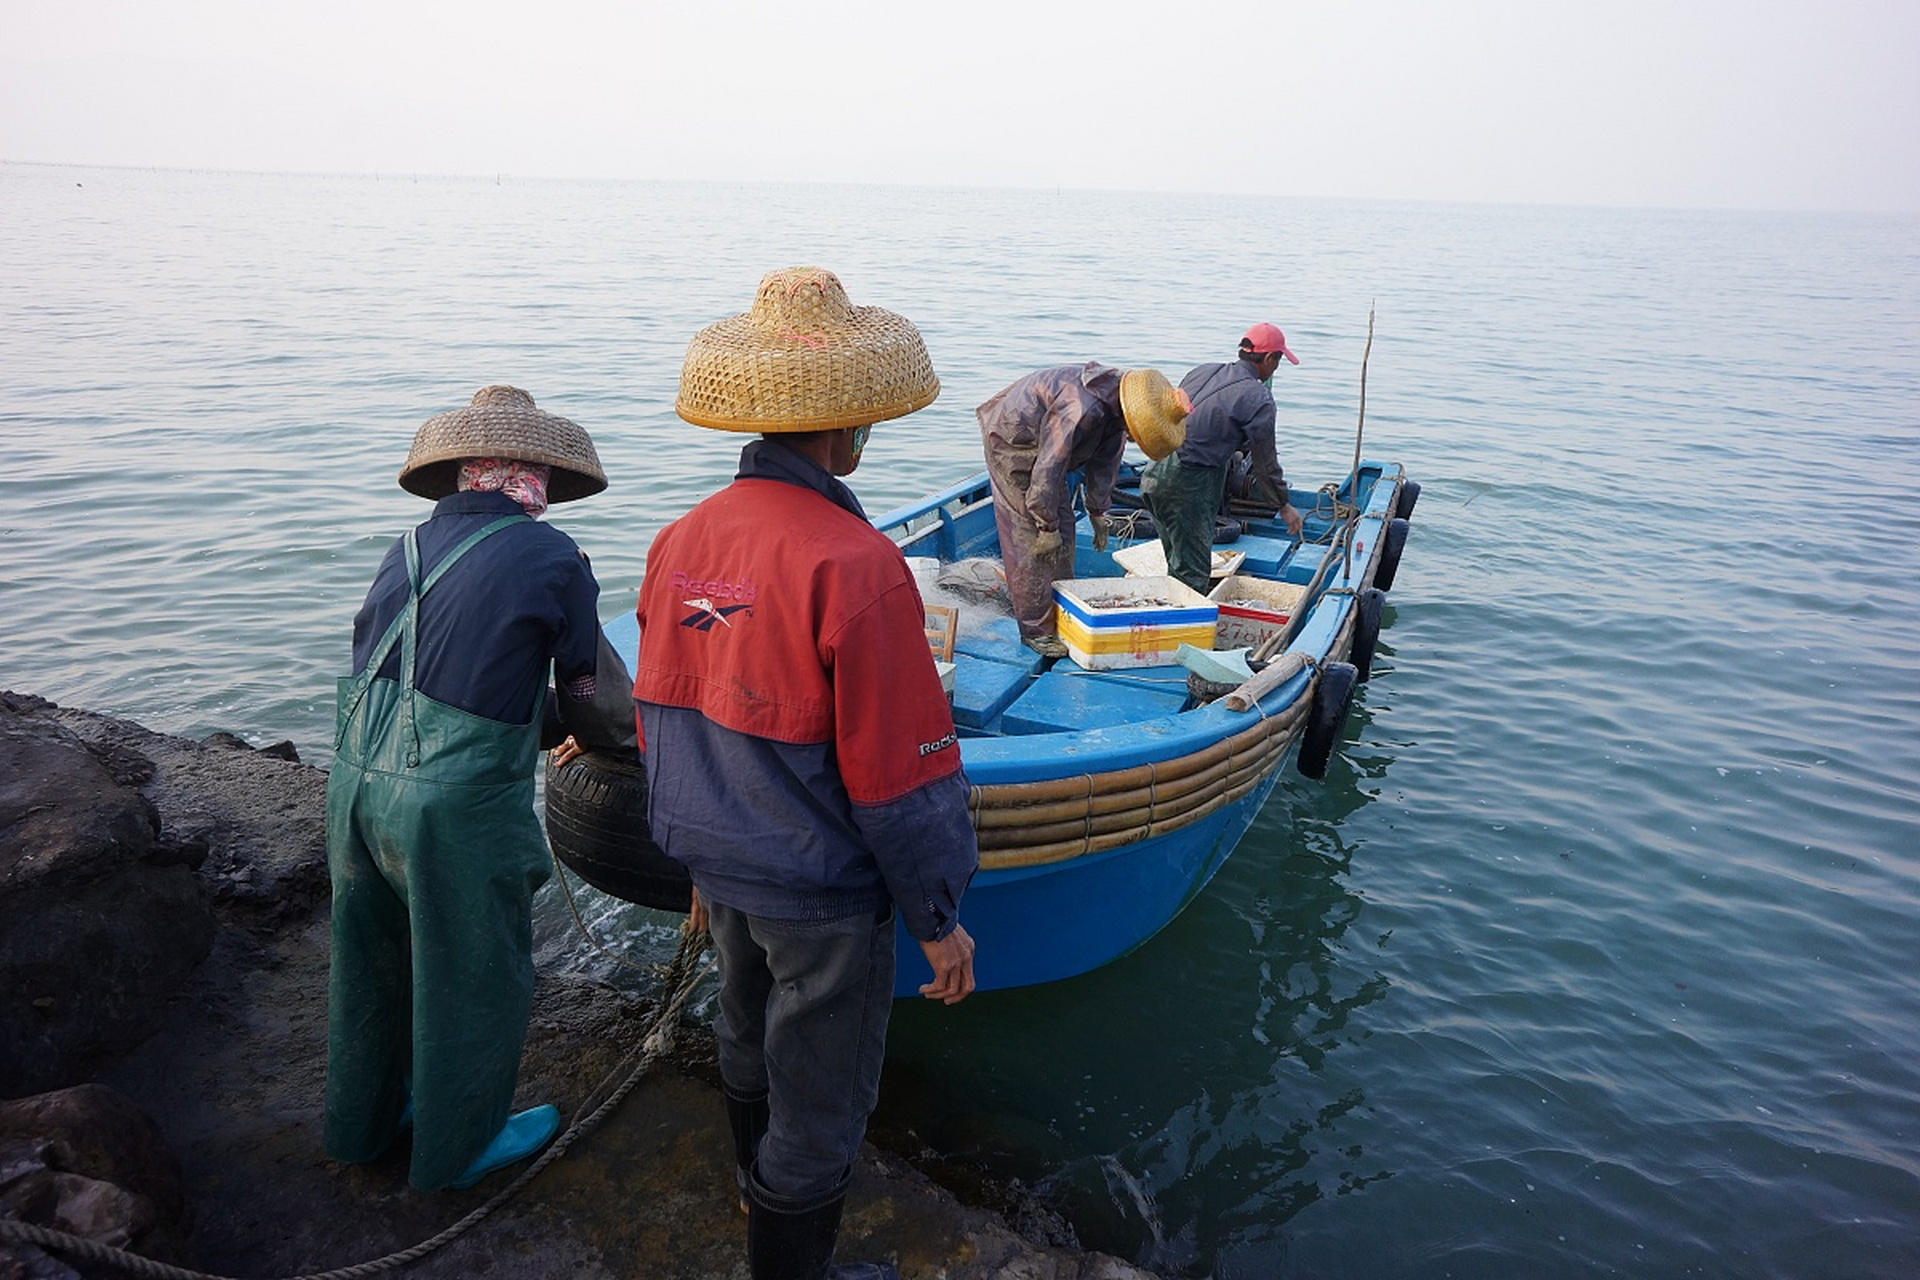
[404, 627]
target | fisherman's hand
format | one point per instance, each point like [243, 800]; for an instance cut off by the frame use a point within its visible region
[1048, 543]
[1100, 526]
[952, 961]
[1292, 517]
[697, 916]
[567, 751]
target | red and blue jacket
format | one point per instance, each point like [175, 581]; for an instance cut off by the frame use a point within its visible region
[801, 757]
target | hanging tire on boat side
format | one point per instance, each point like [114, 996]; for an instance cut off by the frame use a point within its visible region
[1366, 631]
[1404, 500]
[1392, 543]
[1327, 719]
[597, 828]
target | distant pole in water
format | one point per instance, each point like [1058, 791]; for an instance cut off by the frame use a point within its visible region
[1359, 434]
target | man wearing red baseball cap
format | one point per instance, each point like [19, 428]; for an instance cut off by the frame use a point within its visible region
[1232, 413]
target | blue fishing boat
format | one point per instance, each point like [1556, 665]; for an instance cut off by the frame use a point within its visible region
[1108, 787]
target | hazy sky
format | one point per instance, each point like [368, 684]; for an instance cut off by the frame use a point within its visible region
[1719, 103]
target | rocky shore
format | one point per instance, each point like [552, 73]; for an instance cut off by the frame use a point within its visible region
[163, 960]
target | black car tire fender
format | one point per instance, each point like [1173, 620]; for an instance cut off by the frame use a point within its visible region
[1367, 608]
[597, 828]
[1327, 719]
[1392, 543]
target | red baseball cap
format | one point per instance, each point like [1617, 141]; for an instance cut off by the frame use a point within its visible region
[1264, 339]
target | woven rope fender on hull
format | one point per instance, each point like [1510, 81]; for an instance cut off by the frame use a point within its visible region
[1027, 824]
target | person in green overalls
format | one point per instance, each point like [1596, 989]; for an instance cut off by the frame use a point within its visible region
[432, 842]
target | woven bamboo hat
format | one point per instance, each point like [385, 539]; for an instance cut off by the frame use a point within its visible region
[502, 423]
[1156, 411]
[804, 359]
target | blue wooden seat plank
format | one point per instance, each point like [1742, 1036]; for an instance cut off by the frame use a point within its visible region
[1264, 554]
[982, 688]
[996, 639]
[1071, 699]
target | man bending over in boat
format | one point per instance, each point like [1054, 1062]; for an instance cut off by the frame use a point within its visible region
[1038, 431]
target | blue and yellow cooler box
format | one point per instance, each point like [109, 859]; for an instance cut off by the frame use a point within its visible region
[1112, 623]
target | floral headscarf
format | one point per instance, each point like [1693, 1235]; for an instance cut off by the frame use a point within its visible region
[524, 482]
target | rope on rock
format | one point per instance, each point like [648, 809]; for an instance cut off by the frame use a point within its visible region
[689, 965]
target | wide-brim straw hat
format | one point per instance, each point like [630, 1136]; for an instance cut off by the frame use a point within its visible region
[804, 359]
[502, 423]
[1156, 411]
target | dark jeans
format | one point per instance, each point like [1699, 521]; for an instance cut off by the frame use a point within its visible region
[803, 1016]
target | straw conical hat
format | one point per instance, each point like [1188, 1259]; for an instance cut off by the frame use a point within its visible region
[804, 359]
[1155, 410]
[502, 423]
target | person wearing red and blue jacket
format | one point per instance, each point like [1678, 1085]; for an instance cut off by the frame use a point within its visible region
[800, 751]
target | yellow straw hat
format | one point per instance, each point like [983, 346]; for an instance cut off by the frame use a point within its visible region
[804, 359]
[501, 422]
[1156, 411]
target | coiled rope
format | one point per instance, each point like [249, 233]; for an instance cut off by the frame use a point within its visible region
[682, 976]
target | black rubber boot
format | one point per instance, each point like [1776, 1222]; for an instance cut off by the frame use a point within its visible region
[748, 1119]
[792, 1239]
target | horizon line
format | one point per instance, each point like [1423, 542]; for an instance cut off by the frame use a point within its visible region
[502, 176]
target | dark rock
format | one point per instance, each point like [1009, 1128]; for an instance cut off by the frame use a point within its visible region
[235, 1076]
[281, 750]
[24, 1262]
[188, 849]
[87, 1162]
[252, 823]
[94, 940]
[64, 820]
[94, 1132]
[84, 1207]
[123, 764]
[88, 973]
[23, 702]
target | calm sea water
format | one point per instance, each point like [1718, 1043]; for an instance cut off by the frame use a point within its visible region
[1594, 954]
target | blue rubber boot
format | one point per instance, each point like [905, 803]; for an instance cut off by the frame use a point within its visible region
[521, 1136]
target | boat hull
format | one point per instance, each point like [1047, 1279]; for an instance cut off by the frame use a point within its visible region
[1041, 924]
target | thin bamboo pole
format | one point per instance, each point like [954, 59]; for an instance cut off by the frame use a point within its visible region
[1359, 433]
